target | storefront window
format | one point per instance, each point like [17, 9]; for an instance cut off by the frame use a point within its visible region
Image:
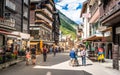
[1, 40]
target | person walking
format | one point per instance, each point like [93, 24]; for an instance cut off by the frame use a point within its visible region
[28, 57]
[54, 51]
[33, 55]
[83, 56]
[44, 54]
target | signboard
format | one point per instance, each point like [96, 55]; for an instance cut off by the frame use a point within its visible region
[86, 15]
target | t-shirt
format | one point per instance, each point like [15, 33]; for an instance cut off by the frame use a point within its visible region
[33, 51]
[44, 50]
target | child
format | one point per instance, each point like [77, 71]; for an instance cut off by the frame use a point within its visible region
[28, 57]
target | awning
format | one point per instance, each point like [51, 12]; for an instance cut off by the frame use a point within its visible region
[107, 29]
[33, 43]
[92, 38]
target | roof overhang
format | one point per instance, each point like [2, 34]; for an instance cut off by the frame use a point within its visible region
[92, 38]
[83, 8]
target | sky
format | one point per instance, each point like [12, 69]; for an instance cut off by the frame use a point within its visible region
[71, 8]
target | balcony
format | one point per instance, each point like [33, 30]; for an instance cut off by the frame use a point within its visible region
[94, 8]
[48, 7]
[7, 24]
[42, 12]
[111, 11]
[48, 12]
[51, 2]
[43, 22]
[10, 5]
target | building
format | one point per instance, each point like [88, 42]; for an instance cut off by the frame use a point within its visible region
[95, 34]
[110, 17]
[56, 27]
[85, 16]
[44, 23]
[14, 24]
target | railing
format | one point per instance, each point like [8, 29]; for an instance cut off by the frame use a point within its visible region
[110, 9]
[6, 23]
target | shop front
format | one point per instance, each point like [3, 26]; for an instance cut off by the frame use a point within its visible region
[38, 44]
[21, 43]
[7, 46]
[112, 19]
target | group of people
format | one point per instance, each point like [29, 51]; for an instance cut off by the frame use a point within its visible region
[74, 55]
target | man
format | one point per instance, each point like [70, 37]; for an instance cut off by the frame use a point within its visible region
[83, 56]
[33, 54]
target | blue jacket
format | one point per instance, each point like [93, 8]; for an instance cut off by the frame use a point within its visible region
[72, 54]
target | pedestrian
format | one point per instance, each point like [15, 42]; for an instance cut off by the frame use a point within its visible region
[44, 53]
[51, 50]
[100, 54]
[28, 57]
[73, 57]
[54, 51]
[33, 55]
[83, 56]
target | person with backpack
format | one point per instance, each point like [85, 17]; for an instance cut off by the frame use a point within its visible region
[73, 57]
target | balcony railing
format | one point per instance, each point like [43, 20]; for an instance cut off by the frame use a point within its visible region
[48, 7]
[6, 23]
[42, 21]
[51, 2]
[110, 10]
[44, 13]
[10, 5]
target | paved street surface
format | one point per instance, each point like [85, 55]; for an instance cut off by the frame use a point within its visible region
[58, 65]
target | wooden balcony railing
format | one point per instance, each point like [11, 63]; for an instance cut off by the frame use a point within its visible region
[44, 13]
[110, 9]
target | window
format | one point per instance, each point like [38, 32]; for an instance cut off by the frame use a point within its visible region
[10, 4]
[26, 2]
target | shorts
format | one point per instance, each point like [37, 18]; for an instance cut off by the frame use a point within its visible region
[28, 59]
[33, 56]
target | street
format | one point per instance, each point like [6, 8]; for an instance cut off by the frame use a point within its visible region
[58, 65]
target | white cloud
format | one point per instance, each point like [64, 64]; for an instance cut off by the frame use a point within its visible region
[72, 13]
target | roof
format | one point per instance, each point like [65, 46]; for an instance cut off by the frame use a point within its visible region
[84, 7]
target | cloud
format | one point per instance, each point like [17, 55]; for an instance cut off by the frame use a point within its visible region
[71, 8]
[65, 7]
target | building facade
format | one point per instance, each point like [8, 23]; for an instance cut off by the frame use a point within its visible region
[104, 27]
[14, 24]
[110, 17]
[44, 26]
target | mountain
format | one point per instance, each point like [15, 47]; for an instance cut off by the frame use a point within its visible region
[68, 27]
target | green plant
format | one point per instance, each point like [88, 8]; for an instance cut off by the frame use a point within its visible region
[0, 58]
[13, 56]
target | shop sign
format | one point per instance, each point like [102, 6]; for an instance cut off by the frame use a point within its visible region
[118, 30]
[108, 33]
